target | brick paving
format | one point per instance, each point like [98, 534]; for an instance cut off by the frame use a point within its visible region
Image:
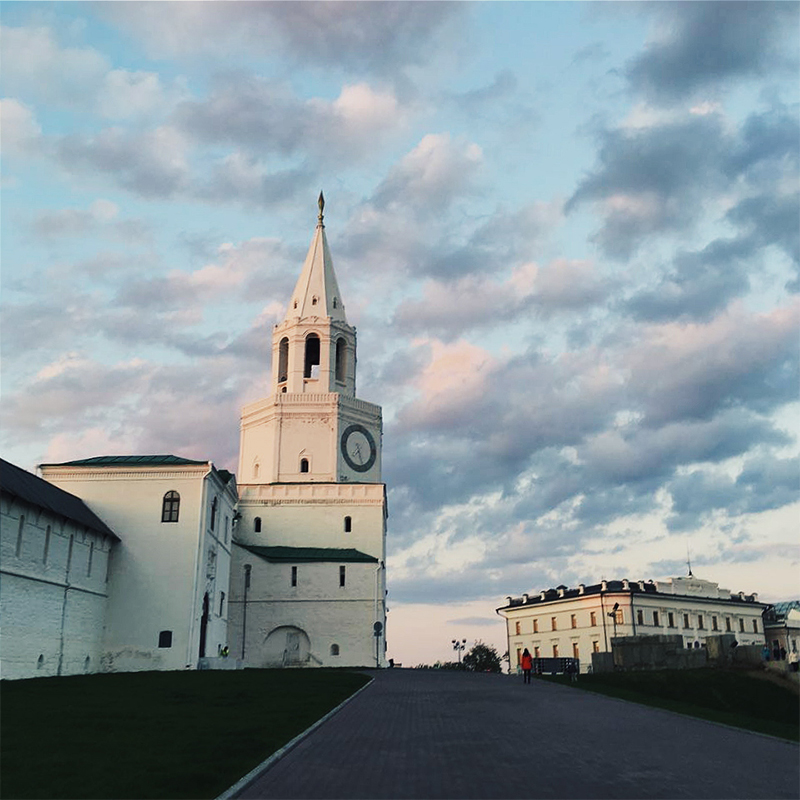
[430, 734]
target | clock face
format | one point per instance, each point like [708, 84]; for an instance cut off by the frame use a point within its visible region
[358, 448]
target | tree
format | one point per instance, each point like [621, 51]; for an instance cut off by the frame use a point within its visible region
[482, 658]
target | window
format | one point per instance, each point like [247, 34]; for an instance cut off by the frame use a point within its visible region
[670, 619]
[214, 514]
[686, 621]
[283, 359]
[69, 553]
[46, 545]
[700, 622]
[728, 624]
[618, 618]
[334, 302]
[311, 366]
[257, 524]
[294, 576]
[314, 301]
[303, 465]
[256, 468]
[714, 625]
[755, 626]
[553, 624]
[341, 360]
[593, 618]
[91, 558]
[595, 647]
[536, 626]
[348, 524]
[655, 618]
[536, 651]
[640, 616]
[165, 639]
[573, 620]
[20, 532]
[518, 628]
[227, 522]
[221, 603]
[575, 651]
[334, 649]
[741, 625]
[341, 575]
[170, 507]
[519, 655]
[555, 651]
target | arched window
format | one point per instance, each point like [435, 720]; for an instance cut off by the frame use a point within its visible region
[170, 507]
[303, 465]
[257, 524]
[341, 360]
[256, 468]
[312, 356]
[213, 514]
[334, 649]
[348, 524]
[283, 360]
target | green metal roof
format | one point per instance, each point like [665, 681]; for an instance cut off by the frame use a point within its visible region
[305, 554]
[127, 461]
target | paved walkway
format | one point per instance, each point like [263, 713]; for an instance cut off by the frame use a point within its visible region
[430, 734]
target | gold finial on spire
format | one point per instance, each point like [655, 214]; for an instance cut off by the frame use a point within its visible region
[321, 203]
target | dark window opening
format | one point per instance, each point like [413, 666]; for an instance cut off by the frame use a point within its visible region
[170, 507]
[214, 514]
[303, 465]
[312, 356]
[341, 360]
[348, 524]
[283, 360]
[341, 575]
[257, 524]
[165, 639]
[221, 602]
[334, 649]
[294, 576]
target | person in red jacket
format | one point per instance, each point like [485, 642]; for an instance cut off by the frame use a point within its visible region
[526, 662]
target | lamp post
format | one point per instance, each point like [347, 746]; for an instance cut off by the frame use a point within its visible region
[458, 646]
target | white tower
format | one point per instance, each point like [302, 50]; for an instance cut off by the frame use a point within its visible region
[308, 580]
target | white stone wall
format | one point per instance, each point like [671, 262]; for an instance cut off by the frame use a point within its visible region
[313, 515]
[52, 605]
[160, 571]
[587, 636]
[327, 613]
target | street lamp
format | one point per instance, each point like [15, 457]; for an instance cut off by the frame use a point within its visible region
[458, 646]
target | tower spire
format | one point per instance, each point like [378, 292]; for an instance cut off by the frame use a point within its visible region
[321, 204]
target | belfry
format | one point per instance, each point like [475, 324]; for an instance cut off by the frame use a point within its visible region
[308, 576]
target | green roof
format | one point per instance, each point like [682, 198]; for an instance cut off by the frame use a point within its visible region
[304, 554]
[127, 461]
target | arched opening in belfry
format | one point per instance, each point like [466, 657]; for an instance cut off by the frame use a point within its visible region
[311, 369]
[341, 360]
[283, 360]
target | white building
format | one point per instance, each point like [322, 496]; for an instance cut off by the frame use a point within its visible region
[577, 622]
[54, 558]
[168, 582]
[308, 577]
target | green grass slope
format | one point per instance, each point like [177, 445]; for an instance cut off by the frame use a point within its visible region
[155, 734]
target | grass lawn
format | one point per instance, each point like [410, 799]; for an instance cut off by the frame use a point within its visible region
[155, 734]
[742, 699]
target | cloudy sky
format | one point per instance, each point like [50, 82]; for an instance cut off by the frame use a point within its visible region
[567, 234]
